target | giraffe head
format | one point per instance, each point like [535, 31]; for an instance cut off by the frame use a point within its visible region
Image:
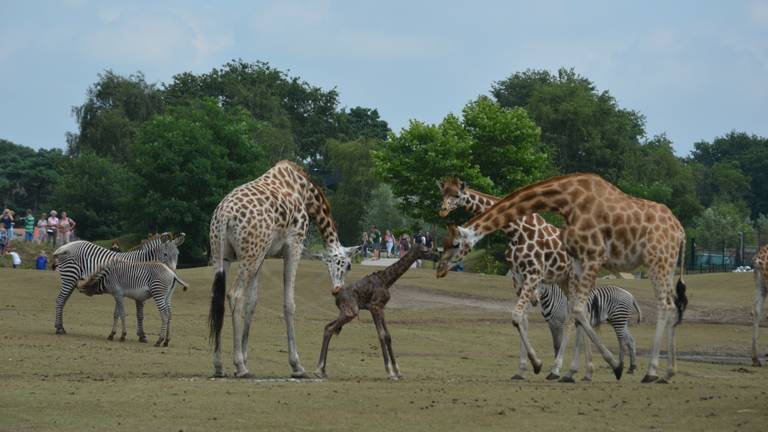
[339, 262]
[454, 194]
[456, 246]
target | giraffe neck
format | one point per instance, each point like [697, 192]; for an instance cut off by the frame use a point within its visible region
[478, 202]
[394, 271]
[319, 208]
[550, 195]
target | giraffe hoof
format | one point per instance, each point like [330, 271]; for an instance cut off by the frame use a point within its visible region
[518, 377]
[300, 374]
[111, 336]
[567, 379]
[60, 331]
[245, 374]
[587, 379]
[618, 371]
[536, 367]
[122, 338]
[552, 376]
[649, 379]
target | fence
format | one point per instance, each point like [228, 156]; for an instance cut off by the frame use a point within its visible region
[724, 259]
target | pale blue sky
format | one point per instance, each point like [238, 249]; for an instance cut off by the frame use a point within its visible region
[695, 69]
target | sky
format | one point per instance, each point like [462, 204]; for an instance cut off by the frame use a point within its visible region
[695, 69]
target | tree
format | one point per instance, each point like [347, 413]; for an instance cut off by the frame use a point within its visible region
[719, 226]
[353, 171]
[93, 191]
[582, 129]
[493, 149]
[734, 166]
[658, 175]
[27, 176]
[361, 122]
[112, 115]
[188, 159]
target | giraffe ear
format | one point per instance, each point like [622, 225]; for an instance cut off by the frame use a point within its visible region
[352, 251]
[464, 232]
[179, 239]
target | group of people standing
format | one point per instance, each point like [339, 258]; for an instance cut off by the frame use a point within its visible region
[49, 229]
[374, 243]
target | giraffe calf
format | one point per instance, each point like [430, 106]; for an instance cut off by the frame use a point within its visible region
[372, 293]
[138, 281]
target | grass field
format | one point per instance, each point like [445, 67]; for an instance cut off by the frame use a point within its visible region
[452, 337]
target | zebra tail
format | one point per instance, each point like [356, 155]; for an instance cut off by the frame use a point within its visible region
[637, 308]
[216, 314]
[178, 280]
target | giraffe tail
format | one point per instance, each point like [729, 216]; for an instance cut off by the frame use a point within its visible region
[216, 313]
[681, 300]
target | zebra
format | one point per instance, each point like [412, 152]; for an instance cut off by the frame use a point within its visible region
[606, 303]
[78, 259]
[139, 281]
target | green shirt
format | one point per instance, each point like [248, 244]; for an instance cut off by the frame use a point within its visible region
[29, 223]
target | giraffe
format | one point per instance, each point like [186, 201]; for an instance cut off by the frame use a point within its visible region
[760, 266]
[604, 227]
[267, 216]
[535, 254]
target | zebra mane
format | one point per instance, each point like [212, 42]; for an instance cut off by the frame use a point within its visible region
[150, 241]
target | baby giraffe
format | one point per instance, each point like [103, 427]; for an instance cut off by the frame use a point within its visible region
[372, 293]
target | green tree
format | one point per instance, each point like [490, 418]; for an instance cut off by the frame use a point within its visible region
[27, 176]
[188, 159]
[582, 129]
[361, 122]
[493, 149]
[93, 191]
[720, 224]
[354, 179]
[112, 115]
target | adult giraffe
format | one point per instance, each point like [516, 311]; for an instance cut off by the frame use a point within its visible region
[535, 254]
[760, 266]
[604, 227]
[267, 216]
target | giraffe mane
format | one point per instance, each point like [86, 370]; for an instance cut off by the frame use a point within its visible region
[299, 170]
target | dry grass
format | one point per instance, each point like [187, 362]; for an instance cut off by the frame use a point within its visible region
[457, 360]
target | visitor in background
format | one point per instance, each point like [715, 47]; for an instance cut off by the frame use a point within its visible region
[52, 227]
[3, 240]
[376, 242]
[29, 226]
[7, 221]
[405, 244]
[66, 226]
[41, 263]
[115, 247]
[15, 258]
[428, 240]
[365, 244]
[42, 226]
[390, 241]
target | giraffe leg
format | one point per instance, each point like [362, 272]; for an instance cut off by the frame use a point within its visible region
[388, 340]
[632, 352]
[291, 261]
[757, 314]
[520, 375]
[385, 341]
[140, 321]
[251, 299]
[577, 344]
[218, 365]
[518, 316]
[589, 367]
[333, 327]
[664, 314]
[236, 304]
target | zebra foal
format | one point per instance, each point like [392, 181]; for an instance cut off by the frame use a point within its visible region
[138, 281]
[606, 303]
[78, 259]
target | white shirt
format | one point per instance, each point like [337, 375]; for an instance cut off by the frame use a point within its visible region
[16, 258]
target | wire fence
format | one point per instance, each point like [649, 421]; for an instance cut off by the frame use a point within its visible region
[733, 255]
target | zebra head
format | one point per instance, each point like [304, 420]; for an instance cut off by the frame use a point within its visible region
[167, 249]
[456, 246]
[453, 194]
[339, 262]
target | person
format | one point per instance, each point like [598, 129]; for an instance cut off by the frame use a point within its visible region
[15, 258]
[52, 227]
[364, 240]
[3, 240]
[42, 225]
[390, 242]
[115, 247]
[428, 240]
[66, 226]
[376, 242]
[29, 226]
[7, 221]
[405, 244]
[41, 263]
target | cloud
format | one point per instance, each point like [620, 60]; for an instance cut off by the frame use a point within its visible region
[758, 11]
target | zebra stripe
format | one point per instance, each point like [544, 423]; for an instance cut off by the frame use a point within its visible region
[78, 259]
[138, 281]
[606, 303]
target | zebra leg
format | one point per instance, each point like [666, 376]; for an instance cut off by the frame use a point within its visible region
[165, 316]
[68, 283]
[757, 313]
[520, 375]
[629, 344]
[291, 261]
[115, 317]
[578, 343]
[121, 302]
[140, 321]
